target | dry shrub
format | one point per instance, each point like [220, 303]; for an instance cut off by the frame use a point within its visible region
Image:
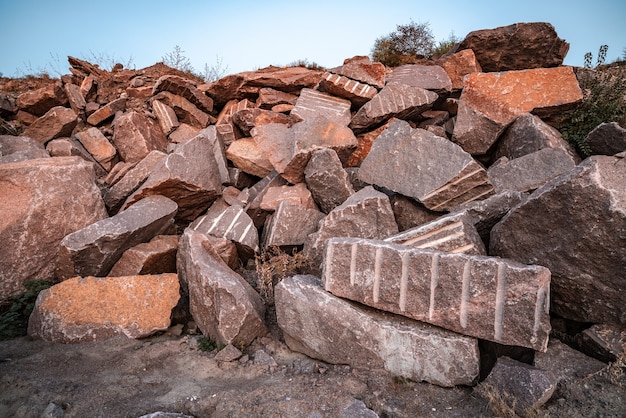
[273, 265]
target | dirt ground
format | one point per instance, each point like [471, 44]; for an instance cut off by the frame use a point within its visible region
[121, 377]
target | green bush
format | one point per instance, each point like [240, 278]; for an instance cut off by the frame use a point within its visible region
[14, 312]
[405, 45]
[603, 101]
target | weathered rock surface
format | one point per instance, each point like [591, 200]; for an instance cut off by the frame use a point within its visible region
[327, 180]
[491, 101]
[603, 341]
[290, 225]
[185, 88]
[98, 146]
[135, 135]
[362, 69]
[107, 111]
[458, 65]
[298, 194]
[516, 47]
[91, 308]
[186, 112]
[41, 201]
[75, 98]
[55, 123]
[20, 148]
[248, 118]
[246, 155]
[168, 121]
[565, 363]
[357, 93]
[489, 298]
[365, 214]
[325, 327]
[453, 233]
[576, 226]
[268, 98]
[38, 102]
[222, 303]
[364, 146]
[394, 100]
[313, 103]
[190, 176]
[607, 139]
[154, 257]
[530, 171]
[409, 213]
[418, 155]
[428, 77]
[94, 249]
[525, 385]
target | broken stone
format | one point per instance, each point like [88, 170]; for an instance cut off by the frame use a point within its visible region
[603, 341]
[135, 135]
[185, 88]
[458, 65]
[428, 77]
[228, 354]
[483, 297]
[261, 358]
[98, 146]
[20, 148]
[298, 194]
[240, 179]
[362, 69]
[418, 155]
[75, 97]
[565, 363]
[231, 223]
[364, 146]
[357, 93]
[254, 197]
[165, 116]
[524, 386]
[530, 171]
[223, 305]
[90, 308]
[8, 105]
[183, 133]
[394, 100]
[328, 182]
[607, 139]
[210, 135]
[131, 180]
[246, 155]
[268, 98]
[454, 233]
[190, 176]
[333, 330]
[40, 101]
[247, 119]
[313, 103]
[107, 111]
[365, 214]
[290, 225]
[70, 147]
[154, 257]
[587, 261]
[94, 249]
[516, 47]
[41, 201]
[186, 111]
[56, 123]
[492, 101]
[528, 134]
[409, 213]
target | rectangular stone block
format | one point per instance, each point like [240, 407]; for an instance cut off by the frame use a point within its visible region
[312, 103]
[484, 297]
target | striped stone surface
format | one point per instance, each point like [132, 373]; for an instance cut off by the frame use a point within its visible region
[232, 223]
[312, 103]
[429, 77]
[484, 297]
[340, 86]
[454, 233]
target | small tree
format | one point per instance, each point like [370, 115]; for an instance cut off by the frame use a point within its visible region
[404, 45]
[214, 72]
[445, 45]
[177, 59]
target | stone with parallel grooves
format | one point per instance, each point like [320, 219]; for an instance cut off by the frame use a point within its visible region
[429, 77]
[312, 103]
[454, 233]
[436, 171]
[166, 117]
[358, 93]
[484, 297]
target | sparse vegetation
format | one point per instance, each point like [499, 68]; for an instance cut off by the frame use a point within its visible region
[445, 46]
[273, 265]
[177, 59]
[207, 344]
[306, 64]
[405, 45]
[14, 312]
[504, 405]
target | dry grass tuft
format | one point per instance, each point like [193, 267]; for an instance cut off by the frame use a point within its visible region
[273, 265]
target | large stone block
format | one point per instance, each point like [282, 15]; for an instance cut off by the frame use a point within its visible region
[435, 171]
[489, 298]
[576, 226]
[154, 257]
[94, 249]
[20, 148]
[222, 303]
[91, 308]
[340, 86]
[328, 182]
[38, 102]
[41, 201]
[290, 225]
[362, 69]
[98, 146]
[56, 123]
[246, 155]
[328, 328]
[135, 135]
[428, 77]
[185, 88]
[312, 103]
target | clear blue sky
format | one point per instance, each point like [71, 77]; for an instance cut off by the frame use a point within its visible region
[247, 35]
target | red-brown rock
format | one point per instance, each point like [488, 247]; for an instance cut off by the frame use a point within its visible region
[56, 123]
[246, 155]
[98, 146]
[185, 88]
[39, 102]
[362, 69]
[154, 257]
[135, 135]
[459, 65]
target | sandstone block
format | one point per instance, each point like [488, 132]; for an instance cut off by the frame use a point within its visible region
[246, 119]
[94, 249]
[362, 69]
[165, 116]
[254, 196]
[409, 213]
[489, 298]
[428, 77]
[40, 101]
[135, 135]
[222, 303]
[183, 133]
[75, 97]
[298, 194]
[434, 170]
[394, 100]
[565, 363]
[90, 308]
[365, 141]
[56, 123]
[186, 111]
[357, 93]
[20, 148]
[454, 233]
[185, 88]
[154, 257]
[603, 341]
[290, 225]
[313, 103]
[246, 155]
[98, 146]
[328, 182]
[41, 201]
[107, 111]
[458, 65]
[576, 226]
[325, 327]
[268, 98]
[607, 139]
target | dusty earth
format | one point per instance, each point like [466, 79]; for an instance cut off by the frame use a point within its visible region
[122, 377]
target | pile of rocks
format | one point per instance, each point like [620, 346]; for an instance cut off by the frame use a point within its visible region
[435, 195]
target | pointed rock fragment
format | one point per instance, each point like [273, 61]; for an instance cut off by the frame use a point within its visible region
[327, 180]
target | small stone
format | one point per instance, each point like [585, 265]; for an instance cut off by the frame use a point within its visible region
[154, 257]
[228, 354]
[107, 111]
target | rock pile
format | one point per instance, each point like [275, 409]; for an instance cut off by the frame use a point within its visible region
[434, 195]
